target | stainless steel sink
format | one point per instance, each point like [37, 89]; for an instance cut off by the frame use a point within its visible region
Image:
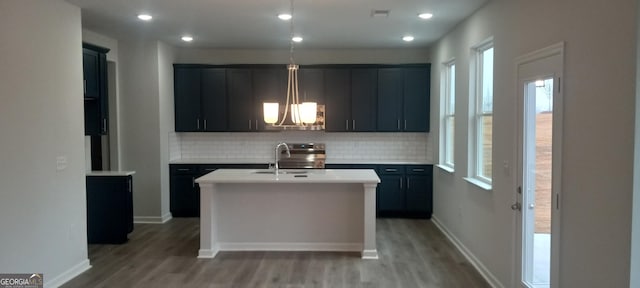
[281, 172]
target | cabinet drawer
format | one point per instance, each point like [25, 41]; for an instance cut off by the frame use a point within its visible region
[419, 169]
[183, 169]
[391, 169]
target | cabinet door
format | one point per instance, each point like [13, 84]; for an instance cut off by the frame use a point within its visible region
[311, 81]
[418, 193]
[337, 101]
[389, 99]
[240, 98]
[364, 99]
[269, 85]
[107, 210]
[185, 196]
[391, 193]
[187, 99]
[416, 100]
[213, 98]
[90, 66]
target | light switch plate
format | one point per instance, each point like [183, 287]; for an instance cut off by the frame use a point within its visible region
[61, 163]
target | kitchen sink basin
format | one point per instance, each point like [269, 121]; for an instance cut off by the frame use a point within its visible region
[281, 172]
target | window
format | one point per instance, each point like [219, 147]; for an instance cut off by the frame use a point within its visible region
[482, 119]
[447, 122]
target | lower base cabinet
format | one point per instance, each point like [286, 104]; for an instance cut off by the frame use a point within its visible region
[109, 209]
[403, 191]
[185, 193]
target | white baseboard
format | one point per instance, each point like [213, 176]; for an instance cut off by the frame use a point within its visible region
[342, 247]
[486, 274]
[152, 219]
[67, 275]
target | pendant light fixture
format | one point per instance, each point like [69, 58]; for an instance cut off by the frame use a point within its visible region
[303, 115]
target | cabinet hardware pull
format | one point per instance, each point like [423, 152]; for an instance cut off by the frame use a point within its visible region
[400, 182]
[391, 170]
[408, 183]
[183, 169]
[198, 123]
[418, 170]
[205, 124]
[193, 182]
[130, 186]
[353, 125]
[256, 124]
[249, 124]
[346, 125]
[84, 86]
[405, 124]
[398, 124]
[104, 125]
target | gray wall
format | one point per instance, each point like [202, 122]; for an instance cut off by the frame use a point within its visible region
[42, 209]
[598, 142]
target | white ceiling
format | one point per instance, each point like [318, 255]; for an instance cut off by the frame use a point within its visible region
[253, 24]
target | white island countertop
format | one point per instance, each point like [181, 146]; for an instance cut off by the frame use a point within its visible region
[110, 173]
[290, 176]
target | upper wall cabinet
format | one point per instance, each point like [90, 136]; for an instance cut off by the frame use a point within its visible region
[350, 99]
[357, 98]
[403, 99]
[96, 112]
[200, 99]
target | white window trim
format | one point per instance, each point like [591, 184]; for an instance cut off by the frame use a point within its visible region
[475, 114]
[444, 98]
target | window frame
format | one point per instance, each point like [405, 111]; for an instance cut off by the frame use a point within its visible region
[476, 161]
[448, 91]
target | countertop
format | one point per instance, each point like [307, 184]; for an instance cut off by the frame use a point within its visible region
[270, 160]
[244, 176]
[110, 173]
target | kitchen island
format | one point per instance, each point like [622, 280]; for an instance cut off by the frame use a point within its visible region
[294, 210]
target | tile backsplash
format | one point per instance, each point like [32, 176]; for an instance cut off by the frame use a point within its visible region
[410, 147]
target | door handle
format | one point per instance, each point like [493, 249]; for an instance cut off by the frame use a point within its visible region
[531, 206]
[516, 206]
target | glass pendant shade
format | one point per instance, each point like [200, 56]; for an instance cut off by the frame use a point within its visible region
[271, 111]
[308, 112]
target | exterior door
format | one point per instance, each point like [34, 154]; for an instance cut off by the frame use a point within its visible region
[537, 197]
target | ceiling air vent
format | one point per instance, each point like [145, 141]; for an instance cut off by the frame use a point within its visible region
[380, 13]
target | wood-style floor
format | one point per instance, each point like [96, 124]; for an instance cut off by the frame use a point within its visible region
[413, 253]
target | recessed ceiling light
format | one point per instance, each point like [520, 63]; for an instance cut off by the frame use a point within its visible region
[408, 38]
[284, 16]
[425, 15]
[187, 38]
[145, 17]
[297, 39]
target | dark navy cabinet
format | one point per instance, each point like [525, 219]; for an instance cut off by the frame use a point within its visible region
[109, 209]
[403, 191]
[357, 98]
[337, 99]
[187, 99]
[403, 99]
[350, 99]
[184, 193]
[94, 68]
[242, 107]
[364, 96]
[200, 99]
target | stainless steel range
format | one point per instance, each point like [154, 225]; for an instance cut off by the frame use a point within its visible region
[303, 156]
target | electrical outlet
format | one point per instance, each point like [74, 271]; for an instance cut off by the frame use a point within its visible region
[61, 163]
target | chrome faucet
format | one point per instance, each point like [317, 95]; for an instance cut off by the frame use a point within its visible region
[277, 154]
